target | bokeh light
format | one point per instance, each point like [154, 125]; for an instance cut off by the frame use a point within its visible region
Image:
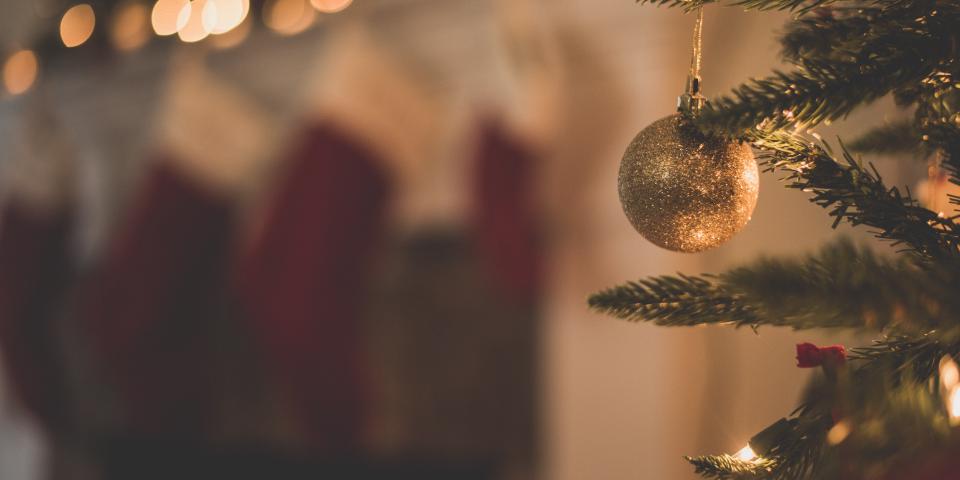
[129, 29]
[746, 454]
[949, 374]
[77, 25]
[330, 6]
[20, 71]
[170, 16]
[953, 405]
[230, 14]
[838, 433]
[202, 20]
[288, 17]
[233, 37]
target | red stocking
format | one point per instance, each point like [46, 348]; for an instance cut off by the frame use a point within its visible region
[302, 284]
[34, 267]
[152, 302]
[503, 214]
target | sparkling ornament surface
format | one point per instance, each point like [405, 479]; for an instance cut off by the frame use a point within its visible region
[685, 191]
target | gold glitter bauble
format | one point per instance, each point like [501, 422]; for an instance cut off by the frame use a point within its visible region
[686, 191]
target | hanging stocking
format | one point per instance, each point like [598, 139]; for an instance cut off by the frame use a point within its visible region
[35, 266]
[304, 282]
[158, 291]
[503, 214]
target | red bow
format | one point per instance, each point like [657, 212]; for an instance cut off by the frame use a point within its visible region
[810, 355]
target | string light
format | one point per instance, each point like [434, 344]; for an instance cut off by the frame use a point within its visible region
[838, 433]
[953, 405]
[170, 16]
[203, 17]
[77, 25]
[20, 72]
[128, 29]
[949, 374]
[192, 20]
[230, 14]
[288, 17]
[330, 6]
[746, 454]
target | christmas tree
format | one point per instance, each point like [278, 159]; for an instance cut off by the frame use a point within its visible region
[891, 409]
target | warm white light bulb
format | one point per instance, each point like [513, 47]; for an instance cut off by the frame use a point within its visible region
[746, 454]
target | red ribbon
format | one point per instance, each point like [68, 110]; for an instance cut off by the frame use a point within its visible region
[810, 355]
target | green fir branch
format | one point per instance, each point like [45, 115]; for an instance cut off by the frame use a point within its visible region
[727, 467]
[673, 301]
[854, 194]
[841, 286]
[938, 117]
[899, 137]
[828, 35]
[815, 92]
[797, 6]
[873, 32]
[915, 355]
[845, 57]
[883, 395]
[849, 287]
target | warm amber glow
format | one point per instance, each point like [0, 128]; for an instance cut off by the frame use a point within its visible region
[128, 29]
[203, 17]
[170, 16]
[949, 374]
[20, 72]
[233, 37]
[288, 17]
[953, 405]
[746, 454]
[230, 14]
[77, 25]
[838, 433]
[330, 6]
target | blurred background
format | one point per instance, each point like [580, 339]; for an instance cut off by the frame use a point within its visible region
[335, 239]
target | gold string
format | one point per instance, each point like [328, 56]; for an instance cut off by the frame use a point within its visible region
[697, 54]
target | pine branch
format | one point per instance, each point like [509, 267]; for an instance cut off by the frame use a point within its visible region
[841, 286]
[673, 301]
[938, 118]
[868, 31]
[849, 54]
[826, 35]
[894, 138]
[850, 287]
[918, 356]
[815, 92]
[794, 453]
[885, 387]
[798, 6]
[846, 57]
[856, 195]
[726, 467]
